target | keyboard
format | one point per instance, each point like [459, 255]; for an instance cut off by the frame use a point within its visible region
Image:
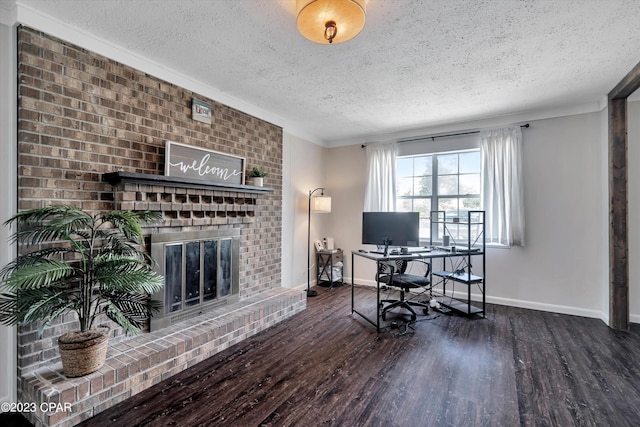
[409, 251]
[418, 250]
[464, 248]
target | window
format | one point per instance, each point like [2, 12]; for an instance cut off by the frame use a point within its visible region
[448, 181]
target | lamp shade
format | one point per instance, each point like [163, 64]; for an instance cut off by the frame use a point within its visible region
[330, 21]
[321, 204]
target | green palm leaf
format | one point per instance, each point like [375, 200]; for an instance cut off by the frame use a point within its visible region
[42, 274]
[129, 222]
[130, 277]
[34, 306]
[37, 306]
[130, 310]
[48, 224]
[8, 309]
[31, 259]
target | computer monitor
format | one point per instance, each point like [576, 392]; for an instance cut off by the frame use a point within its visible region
[391, 229]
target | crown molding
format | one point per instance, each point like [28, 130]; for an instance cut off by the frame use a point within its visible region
[33, 18]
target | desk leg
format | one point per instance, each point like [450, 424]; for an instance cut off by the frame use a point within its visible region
[378, 298]
[444, 282]
[352, 282]
[353, 309]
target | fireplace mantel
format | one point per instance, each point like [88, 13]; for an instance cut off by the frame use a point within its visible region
[115, 178]
[186, 202]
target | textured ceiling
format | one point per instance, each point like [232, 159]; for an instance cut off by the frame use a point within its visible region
[416, 63]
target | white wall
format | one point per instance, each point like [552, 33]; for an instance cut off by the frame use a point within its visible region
[346, 177]
[8, 195]
[561, 267]
[634, 208]
[304, 170]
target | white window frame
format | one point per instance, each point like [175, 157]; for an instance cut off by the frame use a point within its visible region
[434, 147]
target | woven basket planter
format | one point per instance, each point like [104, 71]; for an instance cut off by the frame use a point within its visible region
[83, 352]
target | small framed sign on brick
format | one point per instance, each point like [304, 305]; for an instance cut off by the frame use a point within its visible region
[201, 111]
[197, 163]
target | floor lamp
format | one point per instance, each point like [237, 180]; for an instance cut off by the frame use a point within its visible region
[321, 204]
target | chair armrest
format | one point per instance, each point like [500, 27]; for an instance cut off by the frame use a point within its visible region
[428, 266]
[386, 269]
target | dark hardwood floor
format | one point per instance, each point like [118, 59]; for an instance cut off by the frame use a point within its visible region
[327, 367]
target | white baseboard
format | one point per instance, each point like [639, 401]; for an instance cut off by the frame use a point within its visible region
[532, 305]
[553, 308]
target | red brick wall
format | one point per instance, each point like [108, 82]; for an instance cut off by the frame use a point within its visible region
[81, 115]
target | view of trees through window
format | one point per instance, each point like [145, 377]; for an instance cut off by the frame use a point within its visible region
[448, 182]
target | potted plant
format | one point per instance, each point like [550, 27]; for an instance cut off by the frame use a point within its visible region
[89, 264]
[258, 175]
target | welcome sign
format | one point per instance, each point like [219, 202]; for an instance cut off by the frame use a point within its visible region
[190, 162]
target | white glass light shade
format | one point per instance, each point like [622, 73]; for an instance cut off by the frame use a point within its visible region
[321, 204]
[313, 15]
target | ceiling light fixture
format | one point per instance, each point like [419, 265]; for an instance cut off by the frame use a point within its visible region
[330, 21]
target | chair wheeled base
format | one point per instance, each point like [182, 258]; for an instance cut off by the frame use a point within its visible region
[403, 303]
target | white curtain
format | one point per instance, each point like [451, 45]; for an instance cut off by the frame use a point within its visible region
[380, 194]
[502, 194]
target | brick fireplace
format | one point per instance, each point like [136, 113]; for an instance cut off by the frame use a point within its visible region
[85, 119]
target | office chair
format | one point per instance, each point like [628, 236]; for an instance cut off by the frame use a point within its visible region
[393, 273]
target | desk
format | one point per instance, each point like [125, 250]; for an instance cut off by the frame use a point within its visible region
[465, 278]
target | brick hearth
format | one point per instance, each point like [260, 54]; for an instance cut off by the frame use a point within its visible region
[138, 363]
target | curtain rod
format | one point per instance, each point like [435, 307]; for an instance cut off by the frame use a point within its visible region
[433, 138]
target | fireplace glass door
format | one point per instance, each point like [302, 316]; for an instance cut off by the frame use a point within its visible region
[196, 272]
[201, 271]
